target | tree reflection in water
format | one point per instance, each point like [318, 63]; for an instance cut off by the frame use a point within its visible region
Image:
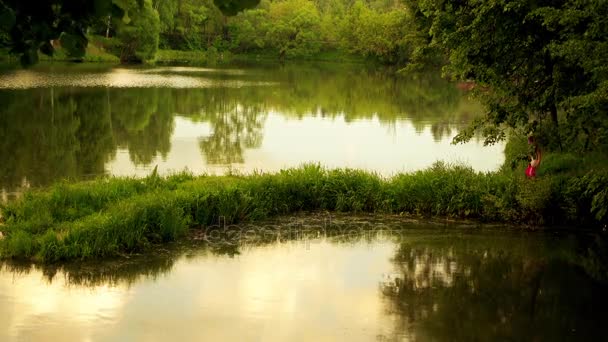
[52, 133]
[474, 288]
[234, 126]
[457, 284]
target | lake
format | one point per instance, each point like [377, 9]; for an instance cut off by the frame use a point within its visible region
[321, 278]
[81, 121]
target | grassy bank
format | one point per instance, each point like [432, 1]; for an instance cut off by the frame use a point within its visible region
[325, 56]
[96, 53]
[107, 217]
[185, 57]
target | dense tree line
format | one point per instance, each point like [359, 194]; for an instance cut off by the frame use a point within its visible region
[28, 27]
[134, 29]
[285, 28]
[539, 66]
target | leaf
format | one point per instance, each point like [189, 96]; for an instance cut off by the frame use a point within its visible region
[74, 44]
[117, 11]
[7, 18]
[125, 18]
[233, 7]
[103, 7]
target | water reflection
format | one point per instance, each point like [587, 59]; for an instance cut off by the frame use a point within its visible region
[178, 77]
[498, 287]
[56, 125]
[322, 278]
[268, 291]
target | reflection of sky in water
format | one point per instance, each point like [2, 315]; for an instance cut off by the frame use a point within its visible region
[291, 291]
[180, 69]
[169, 77]
[406, 286]
[79, 123]
[33, 309]
[365, 144]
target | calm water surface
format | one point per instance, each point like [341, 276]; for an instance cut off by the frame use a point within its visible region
[76, 122]
[355, 279]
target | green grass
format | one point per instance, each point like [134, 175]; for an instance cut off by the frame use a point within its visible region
[111, 216]
[325, 56]
[213, 56]
[181, 57]
[100, 48]
[93, 55]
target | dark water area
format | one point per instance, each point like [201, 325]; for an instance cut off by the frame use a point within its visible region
[77, 122]
[324, 278]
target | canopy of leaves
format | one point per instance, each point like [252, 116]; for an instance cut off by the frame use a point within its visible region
[530, 60]
[138, 36]
[32, 24]
[29, 26]
[232, 7]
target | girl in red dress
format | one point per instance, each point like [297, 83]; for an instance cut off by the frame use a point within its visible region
[535, 158]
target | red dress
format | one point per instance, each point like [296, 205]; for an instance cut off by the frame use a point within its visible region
[530, 171]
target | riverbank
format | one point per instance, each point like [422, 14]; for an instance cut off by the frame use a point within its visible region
[110, 216]
[96, 54]
[214, 57]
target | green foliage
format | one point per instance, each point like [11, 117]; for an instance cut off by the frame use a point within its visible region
[137, 33]
[290, 28]
[32, 25]
[74, 45]
[180, 57]
[107, 217]
[530, 61]
[379, 30]
[295, 28]
[29, 26]
[232, 7]
[372, 33]
[594, 190]
[247, 30]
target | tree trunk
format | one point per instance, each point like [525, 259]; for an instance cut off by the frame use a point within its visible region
[553, 111]
[108, 26]
[225, 28]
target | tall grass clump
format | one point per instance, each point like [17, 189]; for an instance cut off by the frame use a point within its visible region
[111, 216]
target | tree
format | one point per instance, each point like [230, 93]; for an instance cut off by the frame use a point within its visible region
[31, 25]
[137, 31]
[248, 30]
[294, 28]
[530, 60]
[233, 7]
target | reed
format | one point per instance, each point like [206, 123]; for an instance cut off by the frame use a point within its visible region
[111, 216]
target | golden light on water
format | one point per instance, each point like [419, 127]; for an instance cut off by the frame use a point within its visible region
[295, 291]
